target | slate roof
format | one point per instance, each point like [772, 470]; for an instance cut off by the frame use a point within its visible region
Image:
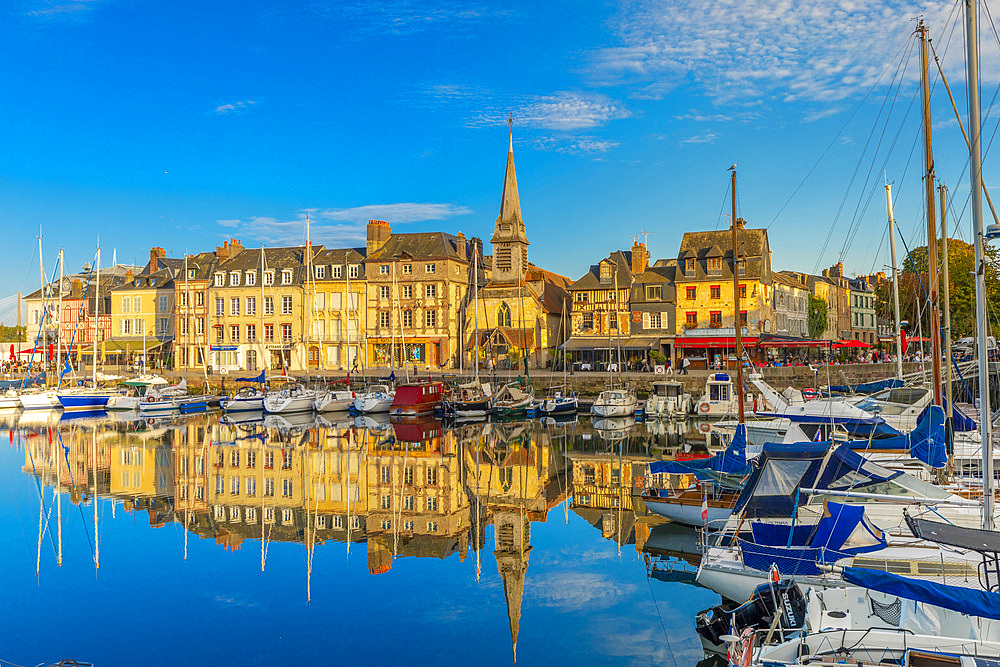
[592, 279]
[419, 246]
[752, 245]
[784, 279]
[275, 259]
[339, 256]
[554, 289]
[148, 281]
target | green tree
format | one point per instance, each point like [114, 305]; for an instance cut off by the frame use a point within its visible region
[961, 264]
[817, 317]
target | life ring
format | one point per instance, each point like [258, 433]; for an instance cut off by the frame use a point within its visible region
[150, 421]
[704, 407]
[809, 394]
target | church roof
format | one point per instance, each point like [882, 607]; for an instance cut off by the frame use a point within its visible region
[510, 206]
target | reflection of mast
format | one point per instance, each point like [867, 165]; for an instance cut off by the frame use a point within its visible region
[93, 462]
[58, 455]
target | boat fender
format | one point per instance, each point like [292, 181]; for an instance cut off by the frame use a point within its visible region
[704, 407]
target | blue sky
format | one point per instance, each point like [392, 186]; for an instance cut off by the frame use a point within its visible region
[181, 124]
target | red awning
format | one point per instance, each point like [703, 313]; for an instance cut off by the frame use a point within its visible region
[728, 342]
[850, 343]
[795, 343]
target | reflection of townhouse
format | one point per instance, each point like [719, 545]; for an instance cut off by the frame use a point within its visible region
[251, 482]
[191, 448]
[85, 464]
[416, 502]
[336, 473]
[141, 468]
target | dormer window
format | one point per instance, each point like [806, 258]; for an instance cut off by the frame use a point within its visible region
[220, 280]
[234, 278]
[353, 271]
[742, 264]
[715, 264]
[286, 277]
[250, 278]
[688, 266]
[152, 282]
[191, 273]
[320, 271]
[605, 272]
[336, 271]
[268, 277]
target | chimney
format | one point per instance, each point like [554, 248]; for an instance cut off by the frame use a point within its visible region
[378, 233]
[640, 258]
[476, 246]
[826, 273]
[155, 254]
[129, 276]
[77, 292]
[228, 249]
[740, 223]
[461, 246]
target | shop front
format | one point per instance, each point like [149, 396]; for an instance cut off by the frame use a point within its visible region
[386, 352]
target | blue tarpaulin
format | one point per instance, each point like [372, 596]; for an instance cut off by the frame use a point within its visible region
[842, 527]
[28, 382]
[971, 601]
[867, 387]
[258, 378]
[733, 460]
[926, 442]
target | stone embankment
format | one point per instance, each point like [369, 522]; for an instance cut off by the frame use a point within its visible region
[587, 384]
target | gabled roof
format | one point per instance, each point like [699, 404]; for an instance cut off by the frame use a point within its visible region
[291, 257]
[339, 256]
[784, 279]
[420, 246]
[622, 260]
[554, 288]
[162, 279]
[749, 242]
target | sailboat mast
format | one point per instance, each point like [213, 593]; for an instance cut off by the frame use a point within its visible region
[945, 245]
[737, 325]
[976, 173]
[308, 303]
[264, 364]
[347, 318]
[41, 284]
[895, 281]
[59, 317]
[929, 179]
[97, 311]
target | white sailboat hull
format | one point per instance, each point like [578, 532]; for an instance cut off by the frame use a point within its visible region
[689, 515]
[613, 409]
[373, 403]
[45, 400]
[287, 404]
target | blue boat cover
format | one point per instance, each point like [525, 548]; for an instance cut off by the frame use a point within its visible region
[867, 387]
[258, 378]
[843, 528]
[790, 561]
[782, 469]
[28, 382]
[971, 601]
[926, 442]
[732, 460]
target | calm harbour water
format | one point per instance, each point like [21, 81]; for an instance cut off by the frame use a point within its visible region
[337, 541]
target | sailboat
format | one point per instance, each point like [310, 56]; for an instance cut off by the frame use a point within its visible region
[558, 402]
[617, 400]
[90, 397]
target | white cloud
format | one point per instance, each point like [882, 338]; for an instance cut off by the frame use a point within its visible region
[234, 107]
[61, 8]
[574, 144]
[818, 114]
[558, 111]
[403, 17]
[744, 51]
[575, 591]
[339, 226]
[703, 138]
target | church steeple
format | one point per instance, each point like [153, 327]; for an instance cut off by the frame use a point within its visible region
[510, 241]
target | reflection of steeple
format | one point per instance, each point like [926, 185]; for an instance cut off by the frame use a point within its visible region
[513, 544]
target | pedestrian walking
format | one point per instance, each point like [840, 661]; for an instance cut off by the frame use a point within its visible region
[685, 362]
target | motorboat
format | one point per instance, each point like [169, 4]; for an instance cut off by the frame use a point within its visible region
[470, 400]
[289, 396]
[246, 399]
[668, 399]
[376, 398]
[720, 398]
[791, 405]
[132, 393]
[163, 399]
[9, 400]
[334, 400]
[615, 403]
[416, 398]
[559, 403]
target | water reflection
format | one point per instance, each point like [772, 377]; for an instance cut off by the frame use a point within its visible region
[391, 490]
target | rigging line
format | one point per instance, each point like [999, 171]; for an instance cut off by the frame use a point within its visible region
[836, 137]
[856, 221]
[725, 199]
[662, 626]
[900, 71]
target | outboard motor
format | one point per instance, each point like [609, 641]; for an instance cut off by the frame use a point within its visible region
[782, 597]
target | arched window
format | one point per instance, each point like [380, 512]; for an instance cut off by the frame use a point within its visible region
[503, 315]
